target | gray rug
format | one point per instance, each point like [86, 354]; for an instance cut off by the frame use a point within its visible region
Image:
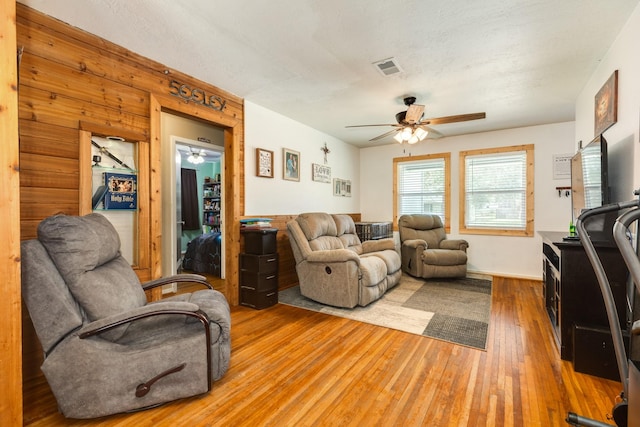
[454, 310]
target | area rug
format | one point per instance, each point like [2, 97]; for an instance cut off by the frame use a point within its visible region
[454, 310]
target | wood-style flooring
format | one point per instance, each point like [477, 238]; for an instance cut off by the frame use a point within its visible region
[292, 367]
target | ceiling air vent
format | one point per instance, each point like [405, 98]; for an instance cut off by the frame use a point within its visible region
[388, 67]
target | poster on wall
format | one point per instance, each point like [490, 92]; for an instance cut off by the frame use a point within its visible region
[606, 105]
[121, 191]
[291, 165]
[320, 173]
[264, 163]
[342, 187]
[562, 166]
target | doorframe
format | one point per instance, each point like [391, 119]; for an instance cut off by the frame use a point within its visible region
[233, 168]
[174, 141]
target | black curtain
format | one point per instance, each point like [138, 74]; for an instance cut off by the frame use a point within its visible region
[190, 211]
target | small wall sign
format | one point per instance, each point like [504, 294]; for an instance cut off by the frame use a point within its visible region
[197, 96]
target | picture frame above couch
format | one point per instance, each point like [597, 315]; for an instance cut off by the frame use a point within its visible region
[264, 163]
[290, 165]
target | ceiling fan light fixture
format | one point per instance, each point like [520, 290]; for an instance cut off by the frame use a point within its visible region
[413, 139]
[421, 134]
[195, 158]
[406, 133]
[398, 137]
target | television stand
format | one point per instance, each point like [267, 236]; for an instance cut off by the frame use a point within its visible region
[575, 305]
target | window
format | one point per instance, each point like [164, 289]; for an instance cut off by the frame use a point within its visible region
[497, 195]
[422, 185]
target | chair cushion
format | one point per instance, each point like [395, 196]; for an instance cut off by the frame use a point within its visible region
[86, 252]
[346, 232]
[52, 308]
[444, 257]
[426, 227]
[373, 270]
[316, 224]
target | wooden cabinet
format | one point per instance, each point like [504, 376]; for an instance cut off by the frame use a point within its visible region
[259, 268]
[575, 306]
[211, 205]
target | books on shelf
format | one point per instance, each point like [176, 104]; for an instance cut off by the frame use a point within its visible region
[253, 223]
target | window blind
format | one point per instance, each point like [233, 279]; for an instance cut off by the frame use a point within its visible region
[495, 190]
[421, 187]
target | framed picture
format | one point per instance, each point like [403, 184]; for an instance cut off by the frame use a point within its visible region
[320, 173]
[341, 187]
[291, 165]
[264, 163]
[606, 105]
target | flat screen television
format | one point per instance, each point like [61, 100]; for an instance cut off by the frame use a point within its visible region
[590, 187]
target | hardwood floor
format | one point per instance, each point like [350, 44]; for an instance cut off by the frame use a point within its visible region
[291, 367]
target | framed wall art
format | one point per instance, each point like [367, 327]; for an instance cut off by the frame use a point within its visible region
[341, 187]
[264, 163]
[606, 105]
[320, 173]
[291, 165]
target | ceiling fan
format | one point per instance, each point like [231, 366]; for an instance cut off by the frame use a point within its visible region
[196, 157]
[412, 128]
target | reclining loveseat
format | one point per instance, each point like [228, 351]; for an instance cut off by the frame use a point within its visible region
[334, 267]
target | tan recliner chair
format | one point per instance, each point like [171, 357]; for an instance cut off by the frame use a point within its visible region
[426, 252]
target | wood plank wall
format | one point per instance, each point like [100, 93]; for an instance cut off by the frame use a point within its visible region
[70, 78]
[10, 332]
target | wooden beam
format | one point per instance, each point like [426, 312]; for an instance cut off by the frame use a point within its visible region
[10, 303]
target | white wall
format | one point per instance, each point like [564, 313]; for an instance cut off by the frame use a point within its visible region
[275, 196]
[622, 137]
[513, 256]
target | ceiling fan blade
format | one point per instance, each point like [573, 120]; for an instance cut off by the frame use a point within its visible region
[414, 113]
[362, 126]
[384, 135]
[454, 119]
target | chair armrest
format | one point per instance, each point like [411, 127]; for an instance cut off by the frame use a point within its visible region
[177, 278]
[155, 309]
[454, 244]
[415, 244]
[334, 255]
[378, 245]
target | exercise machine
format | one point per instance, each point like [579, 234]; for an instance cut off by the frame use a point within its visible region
[625, 413]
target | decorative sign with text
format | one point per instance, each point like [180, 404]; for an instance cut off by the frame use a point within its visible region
[197, 96]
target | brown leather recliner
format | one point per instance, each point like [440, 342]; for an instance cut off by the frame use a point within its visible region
[425, 250]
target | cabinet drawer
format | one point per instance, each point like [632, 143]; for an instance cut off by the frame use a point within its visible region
[259, 263]
[258, 299]
[258, 281]
[593, 352]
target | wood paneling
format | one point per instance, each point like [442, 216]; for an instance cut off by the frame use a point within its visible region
[72, 82]
[291, 366]
[10, 305]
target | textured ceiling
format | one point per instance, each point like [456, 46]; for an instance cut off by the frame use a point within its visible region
[522, 62]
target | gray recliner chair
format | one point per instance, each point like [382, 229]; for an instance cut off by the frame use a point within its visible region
[425, 250]
[106, 349]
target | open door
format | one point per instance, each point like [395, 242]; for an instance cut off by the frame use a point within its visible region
[203, 164]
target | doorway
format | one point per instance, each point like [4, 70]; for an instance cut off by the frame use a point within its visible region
[198, 207]
[196, 148]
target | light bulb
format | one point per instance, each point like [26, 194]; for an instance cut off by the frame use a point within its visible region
[421, 134]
